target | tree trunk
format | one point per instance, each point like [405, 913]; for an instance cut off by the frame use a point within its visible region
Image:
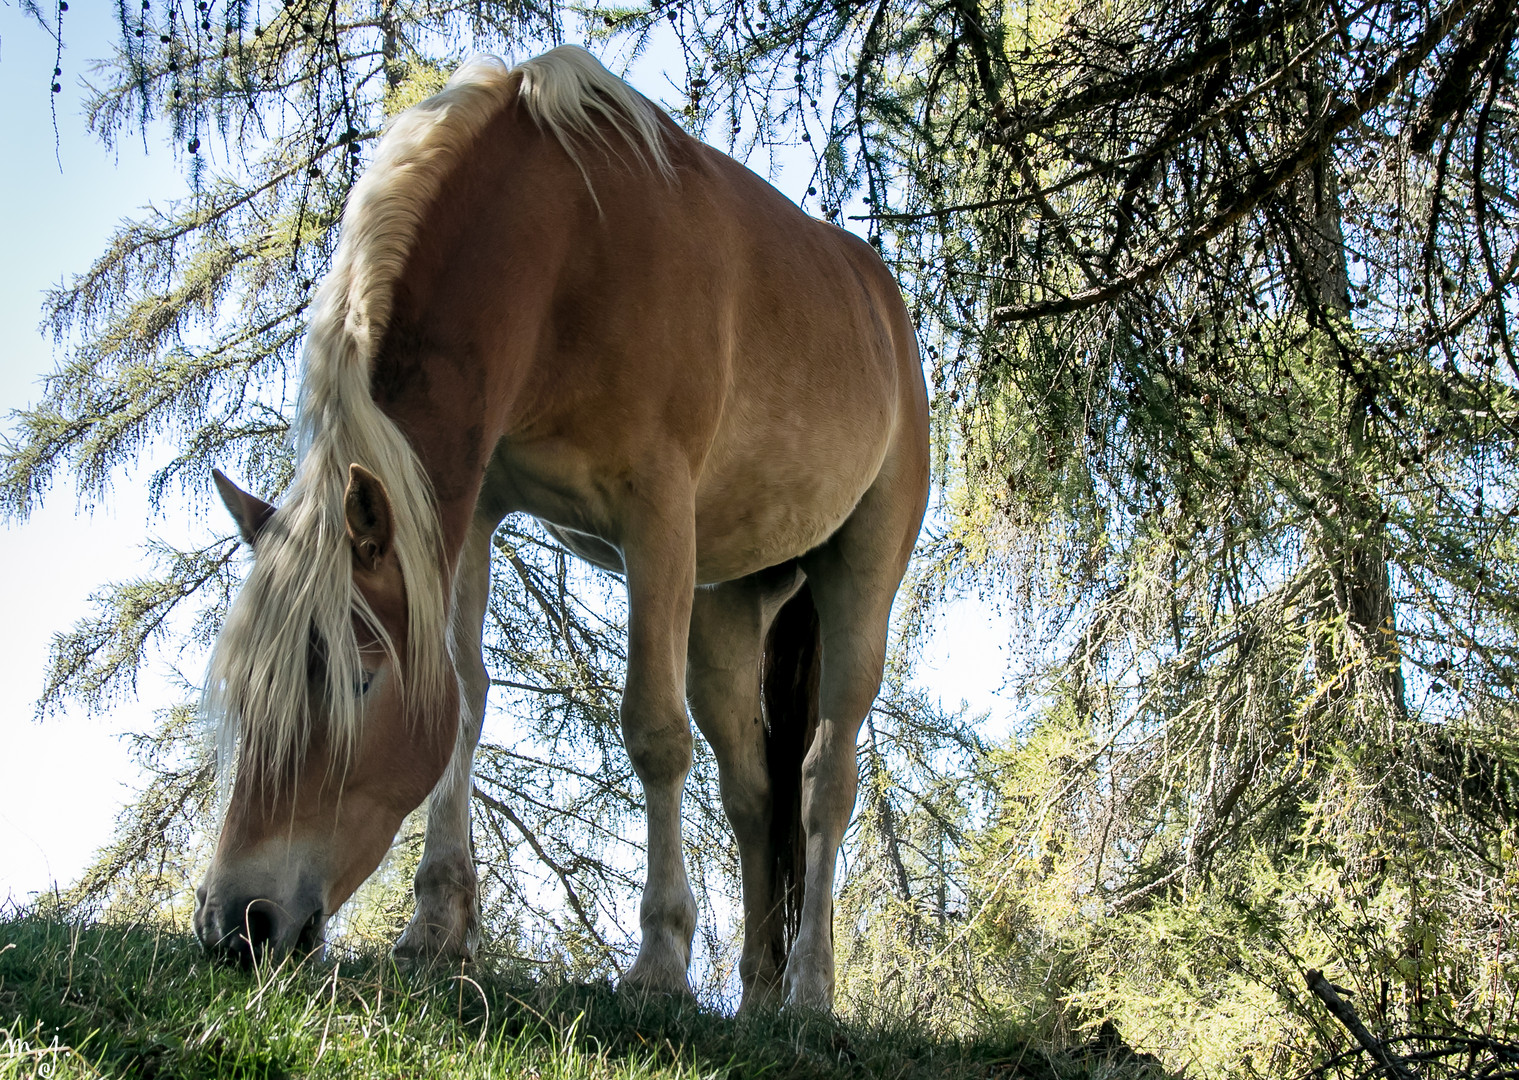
[1352, 541]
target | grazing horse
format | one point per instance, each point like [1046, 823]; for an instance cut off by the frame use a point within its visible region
[549, 299]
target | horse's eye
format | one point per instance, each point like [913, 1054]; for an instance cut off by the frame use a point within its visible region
[361, 687]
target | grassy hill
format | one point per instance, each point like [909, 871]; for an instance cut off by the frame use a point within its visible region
[111, 1001]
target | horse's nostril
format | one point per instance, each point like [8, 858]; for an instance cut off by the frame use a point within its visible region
[240, 934]
[254, 931]
[259, 924]
[200, 897]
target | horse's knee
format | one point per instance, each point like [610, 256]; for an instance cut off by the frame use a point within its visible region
[660, 755]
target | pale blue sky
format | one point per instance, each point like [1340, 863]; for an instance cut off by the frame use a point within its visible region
[62, 780]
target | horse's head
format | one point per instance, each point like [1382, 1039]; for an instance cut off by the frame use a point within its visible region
[336, 745]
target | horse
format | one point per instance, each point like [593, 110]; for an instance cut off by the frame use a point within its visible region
[549, 299]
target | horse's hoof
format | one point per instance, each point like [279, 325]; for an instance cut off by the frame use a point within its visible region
[761, 996]
[657, 979]
[814, 995]
[425, 945]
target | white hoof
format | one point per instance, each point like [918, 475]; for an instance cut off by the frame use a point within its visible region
[446, 925]
[658, 973]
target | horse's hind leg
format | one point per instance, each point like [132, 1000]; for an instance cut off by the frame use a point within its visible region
[728, 627]
[854, 577]
[446, 923]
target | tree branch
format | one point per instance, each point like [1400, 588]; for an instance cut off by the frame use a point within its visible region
[1267, 181]
[1329, 994]
[558, 871]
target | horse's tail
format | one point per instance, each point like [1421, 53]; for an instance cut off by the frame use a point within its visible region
[792, 666]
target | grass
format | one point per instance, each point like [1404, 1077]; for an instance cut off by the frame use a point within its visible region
[98, 1000]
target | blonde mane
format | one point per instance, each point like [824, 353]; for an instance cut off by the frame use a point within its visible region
[299, 597]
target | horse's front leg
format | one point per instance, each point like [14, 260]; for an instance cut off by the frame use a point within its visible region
[659, 557]
[446, 923]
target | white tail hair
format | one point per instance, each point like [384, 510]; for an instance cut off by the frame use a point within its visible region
[299, 600]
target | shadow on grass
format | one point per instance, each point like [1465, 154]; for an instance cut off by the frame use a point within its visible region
[102, 1000]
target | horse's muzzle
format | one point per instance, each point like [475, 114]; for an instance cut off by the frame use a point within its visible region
[246, 931]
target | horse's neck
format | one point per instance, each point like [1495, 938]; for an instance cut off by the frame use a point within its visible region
[446, 451]
[459, 356]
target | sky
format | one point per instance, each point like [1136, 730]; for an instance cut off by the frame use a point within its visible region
[64, 777]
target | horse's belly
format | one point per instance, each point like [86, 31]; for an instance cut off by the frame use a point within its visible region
[764, 541]
[745, 526]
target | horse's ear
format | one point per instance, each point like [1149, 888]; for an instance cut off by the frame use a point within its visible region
[366, 506]
[249, 511]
